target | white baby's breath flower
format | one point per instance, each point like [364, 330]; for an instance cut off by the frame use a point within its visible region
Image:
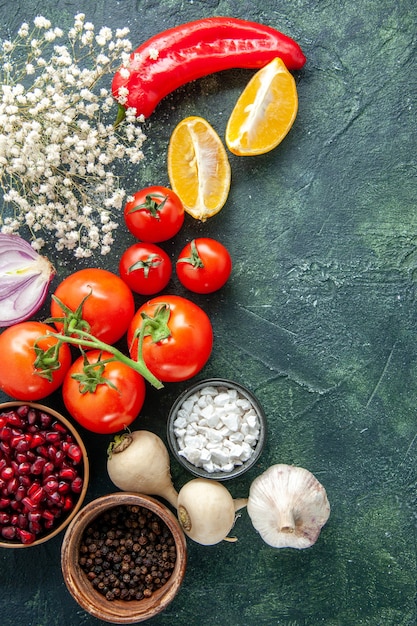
[58, 143]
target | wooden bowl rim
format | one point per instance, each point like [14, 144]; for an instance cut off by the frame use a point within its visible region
[81, 589]
[86, 472]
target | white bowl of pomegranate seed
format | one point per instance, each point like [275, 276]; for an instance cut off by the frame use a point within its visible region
[44, 473]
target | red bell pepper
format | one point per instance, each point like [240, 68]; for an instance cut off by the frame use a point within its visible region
[195, 49]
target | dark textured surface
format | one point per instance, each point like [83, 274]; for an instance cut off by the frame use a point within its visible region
[319, 319]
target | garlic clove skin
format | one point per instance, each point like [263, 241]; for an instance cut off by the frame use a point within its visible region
[288, 506]
[206, 511]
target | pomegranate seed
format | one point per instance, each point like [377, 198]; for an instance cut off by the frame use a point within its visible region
[67, 473]
[29, 504]
[25, 536]
[24, 444]
[45, 419]
[52, 453]
[37, 495]
[38, 439]
[5, 447]
[59, 457]
[77, 484]
[35, 527]
[3, 421]
[24, 468]
[4, 518]
[63, 487]
[60, 428]
[20, 493]
[31, 416]
[23, 410]
[33, 487]
[51, 485]
[5, 433]
[14, 519]
[26, 481]
[7, 473]
[8, 532]
[68, 504]
[48, 468]
[52, 436]
[42, 451]
[74, 453]
[37, 466]
[3, 464]
[65, 446]
[4, 503]
[48, 515]
[13, 485]
[22, 521]
[48, 524]
[14, 419]
[34, 516]
[56, 498]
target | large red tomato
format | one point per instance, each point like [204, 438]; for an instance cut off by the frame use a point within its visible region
[18, 376]
[178, 339]
[107, 406]
[109, 307]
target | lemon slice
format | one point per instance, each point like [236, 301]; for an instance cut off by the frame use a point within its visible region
[198, 167]
[264, 112]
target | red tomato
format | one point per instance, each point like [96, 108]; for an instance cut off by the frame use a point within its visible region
[184, 352]
[18, 377]
[145, 268]
[155, 214]
[204, 265]
[110, 407]
[109, 309]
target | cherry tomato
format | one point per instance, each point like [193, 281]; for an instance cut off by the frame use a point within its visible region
[204, 265]
[154, 214]
[145, 268]
[18, 377]
[112, 405]
[109, 307]
[179, 350]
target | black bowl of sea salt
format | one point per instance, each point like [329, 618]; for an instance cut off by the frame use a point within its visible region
[217, 429]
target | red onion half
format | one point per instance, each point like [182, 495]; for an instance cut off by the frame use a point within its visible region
[24, 279]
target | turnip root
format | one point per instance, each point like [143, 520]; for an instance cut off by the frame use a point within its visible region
[139, 461]
[207, 511]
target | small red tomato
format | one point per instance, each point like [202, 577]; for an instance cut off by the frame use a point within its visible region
[145, 268]
[154, 214]
[178, 338]
[18, 376]
[204, 265]
[110, 405]
[109, 307]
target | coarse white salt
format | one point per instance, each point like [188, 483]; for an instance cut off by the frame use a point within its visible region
[216, 429]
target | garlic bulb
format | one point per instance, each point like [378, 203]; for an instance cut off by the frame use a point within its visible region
[207, 511]
[288, 506]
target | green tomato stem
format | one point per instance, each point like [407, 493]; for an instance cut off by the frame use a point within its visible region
[86, 340]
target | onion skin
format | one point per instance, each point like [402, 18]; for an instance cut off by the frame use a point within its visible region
[25, 276]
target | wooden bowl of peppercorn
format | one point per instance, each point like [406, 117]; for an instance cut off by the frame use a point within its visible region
[124, 557]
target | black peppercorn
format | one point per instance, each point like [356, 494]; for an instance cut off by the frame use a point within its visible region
[138, 549]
